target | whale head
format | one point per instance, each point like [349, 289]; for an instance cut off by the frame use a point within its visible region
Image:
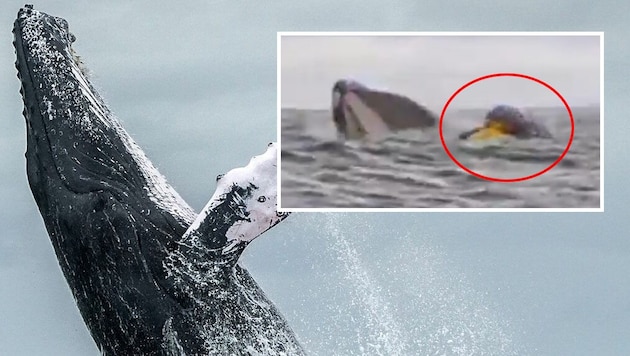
[66, 119]
[343, 87]
[75, 145]
[343, 118]
[359, 111]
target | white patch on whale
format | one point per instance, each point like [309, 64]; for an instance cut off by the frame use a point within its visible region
[360, 118]
[261, 205]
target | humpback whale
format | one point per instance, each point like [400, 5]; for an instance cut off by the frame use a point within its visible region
[149, 276]
[360, 112]
[504, 120]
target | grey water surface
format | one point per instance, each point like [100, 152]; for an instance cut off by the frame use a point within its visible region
[411, 169]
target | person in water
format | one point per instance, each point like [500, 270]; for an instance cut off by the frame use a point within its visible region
[505, 120]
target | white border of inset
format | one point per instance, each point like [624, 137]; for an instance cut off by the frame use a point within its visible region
[600, 34]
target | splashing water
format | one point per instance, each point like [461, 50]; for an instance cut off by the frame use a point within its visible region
[411, 300]
[450, 316]
[385, 337]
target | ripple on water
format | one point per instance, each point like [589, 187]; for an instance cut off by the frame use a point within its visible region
[412, 170]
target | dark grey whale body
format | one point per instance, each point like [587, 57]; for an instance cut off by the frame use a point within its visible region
[359, 111]
[150, 277]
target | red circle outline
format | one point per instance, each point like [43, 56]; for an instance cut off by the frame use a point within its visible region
[506, 180]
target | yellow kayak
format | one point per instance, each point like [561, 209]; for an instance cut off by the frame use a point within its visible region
[486, 133]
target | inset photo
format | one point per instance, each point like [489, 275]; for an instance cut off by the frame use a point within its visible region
[449, 121]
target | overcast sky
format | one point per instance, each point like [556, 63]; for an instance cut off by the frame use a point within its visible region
[431, 68]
